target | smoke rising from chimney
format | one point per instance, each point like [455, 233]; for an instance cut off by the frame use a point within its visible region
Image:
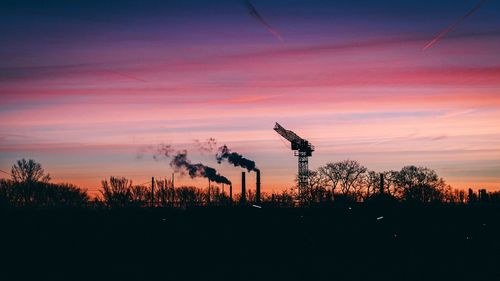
[159, 152]
[180, 161]
[236, 159]
[163, 151]
[208, 146]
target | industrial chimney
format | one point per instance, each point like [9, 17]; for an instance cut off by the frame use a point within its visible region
[257, 187]
[243, 189]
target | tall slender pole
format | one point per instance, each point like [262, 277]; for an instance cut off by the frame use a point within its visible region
[381, 183]
[173, 191]
[208, 197]
[243, 189]
[165, 192]
[152, 191]
[257, 189]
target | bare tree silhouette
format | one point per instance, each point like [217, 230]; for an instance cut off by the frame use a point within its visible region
[189, 196]
[28, 171]
[331, 173]
[117, 192]
[372, 183]
[420, 184]
[316, 191]
[42, 195]
[30, 187]
[351, 176]
[139, 195]
[347, 176]
[285, 198]
[163, 193]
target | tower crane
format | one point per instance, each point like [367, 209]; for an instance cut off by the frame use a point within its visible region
[303, 150]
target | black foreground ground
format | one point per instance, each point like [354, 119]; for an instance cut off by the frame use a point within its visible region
[338, 243]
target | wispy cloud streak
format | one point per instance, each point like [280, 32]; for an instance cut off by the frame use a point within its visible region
[125, 75]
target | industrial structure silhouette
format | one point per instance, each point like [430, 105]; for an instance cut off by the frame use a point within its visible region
[303, 150]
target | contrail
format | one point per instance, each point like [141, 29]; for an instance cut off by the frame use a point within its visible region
[124, 75]
[256, 15]
[454, 25]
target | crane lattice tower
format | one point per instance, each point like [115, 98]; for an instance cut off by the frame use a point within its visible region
[303, 150]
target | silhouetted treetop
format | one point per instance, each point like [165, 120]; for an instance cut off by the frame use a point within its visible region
[28, 171]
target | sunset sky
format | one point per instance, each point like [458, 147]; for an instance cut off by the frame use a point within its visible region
[87, 87]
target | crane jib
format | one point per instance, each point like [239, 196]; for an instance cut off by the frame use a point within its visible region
[303, 150]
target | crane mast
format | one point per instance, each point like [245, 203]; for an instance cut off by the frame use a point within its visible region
[303, 150]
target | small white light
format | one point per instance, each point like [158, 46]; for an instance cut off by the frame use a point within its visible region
[257, 206]
[379, 218]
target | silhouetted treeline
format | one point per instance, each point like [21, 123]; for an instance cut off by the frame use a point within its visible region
[344, 182]
[41, 194]
[29, 186]
[120, 192]
[348, 180]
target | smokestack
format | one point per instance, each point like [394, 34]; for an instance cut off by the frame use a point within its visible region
[381, 183]
[243, 189]
[257, 188]
[231, 192]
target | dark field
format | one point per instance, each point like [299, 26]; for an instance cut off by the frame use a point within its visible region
[404, 243]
